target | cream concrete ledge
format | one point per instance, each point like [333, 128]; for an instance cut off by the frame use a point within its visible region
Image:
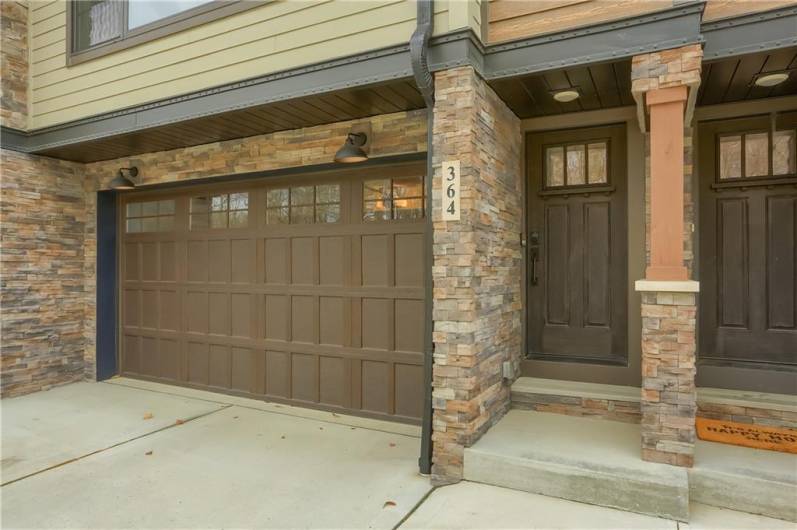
[742, 398]
[685, 286]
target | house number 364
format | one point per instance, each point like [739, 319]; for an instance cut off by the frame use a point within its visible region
[450, 196]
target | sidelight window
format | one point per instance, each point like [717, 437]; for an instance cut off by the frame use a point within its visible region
[757, 154]
[150, 216]
[303, 204]
[226, 210]
[576, 164]
[398, 198]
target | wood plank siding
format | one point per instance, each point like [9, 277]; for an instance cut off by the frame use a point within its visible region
[276, 36]
[517, 19]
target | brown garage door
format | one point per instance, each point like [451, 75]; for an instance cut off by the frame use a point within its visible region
[307, 290]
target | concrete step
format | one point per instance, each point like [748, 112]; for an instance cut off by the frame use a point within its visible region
[744, 479]
[581, 459]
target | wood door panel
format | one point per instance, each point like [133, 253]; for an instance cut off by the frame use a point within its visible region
[577, 284]
[748, 260]
[325, 315]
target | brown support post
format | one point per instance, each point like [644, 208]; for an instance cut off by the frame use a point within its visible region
[665, 84]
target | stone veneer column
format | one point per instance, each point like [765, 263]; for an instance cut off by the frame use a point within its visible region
[665, 84]
[477, 265]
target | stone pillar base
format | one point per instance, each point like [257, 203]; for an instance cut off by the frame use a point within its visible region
[669, 397]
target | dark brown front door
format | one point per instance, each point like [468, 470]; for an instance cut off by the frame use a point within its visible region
[308, 290]
[576, 241]
[748, 242]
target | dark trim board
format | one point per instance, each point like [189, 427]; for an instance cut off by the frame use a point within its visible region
[107, 310]
[756, 32]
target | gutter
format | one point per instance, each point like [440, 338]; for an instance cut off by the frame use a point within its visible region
[419, 47]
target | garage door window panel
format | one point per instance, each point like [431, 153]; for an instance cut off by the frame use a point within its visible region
[757, 154]
[393, 199]
[150, 216]
[227, 210]
[303, 204]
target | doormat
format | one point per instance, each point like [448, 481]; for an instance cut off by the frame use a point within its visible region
[747, 435]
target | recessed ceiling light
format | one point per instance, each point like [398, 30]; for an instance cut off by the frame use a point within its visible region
[566, 96]
[771, 79]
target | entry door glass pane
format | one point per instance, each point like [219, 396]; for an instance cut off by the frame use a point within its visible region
[756, 155]
[554, 167]
[575, 165]
[730, 157]
[597, 162]
[783, 153]
[141, 12]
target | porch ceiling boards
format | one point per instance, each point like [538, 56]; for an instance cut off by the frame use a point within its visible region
[601, 86]
[732, 79]
[343, 105]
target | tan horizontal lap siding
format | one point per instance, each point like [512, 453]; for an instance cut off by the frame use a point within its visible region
[517, 19]
[276, 36]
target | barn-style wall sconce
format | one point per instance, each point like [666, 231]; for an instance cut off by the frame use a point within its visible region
[122, 182]
[352, 150]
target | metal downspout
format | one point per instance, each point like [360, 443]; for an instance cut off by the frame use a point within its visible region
[419, 46]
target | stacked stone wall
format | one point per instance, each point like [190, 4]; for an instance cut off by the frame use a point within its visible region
[42, 282]
[477, 265]
[14, 64]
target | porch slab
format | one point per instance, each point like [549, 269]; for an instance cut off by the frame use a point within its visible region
[581, 459]
[741, 478]
[49, 428]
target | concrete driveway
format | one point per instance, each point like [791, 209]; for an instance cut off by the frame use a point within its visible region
[127, 454]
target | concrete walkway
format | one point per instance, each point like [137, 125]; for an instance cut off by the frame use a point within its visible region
[130, 454]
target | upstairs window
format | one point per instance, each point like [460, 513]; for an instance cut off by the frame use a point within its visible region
[97, 27]
[757, 154]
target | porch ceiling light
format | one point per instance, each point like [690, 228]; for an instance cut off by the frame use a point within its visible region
[352, 150]
[121, 182]
[566, 96]
[769, 80]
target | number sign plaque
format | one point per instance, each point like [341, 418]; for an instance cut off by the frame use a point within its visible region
[450, 195]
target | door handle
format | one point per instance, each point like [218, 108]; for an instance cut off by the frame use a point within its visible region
[533, 256]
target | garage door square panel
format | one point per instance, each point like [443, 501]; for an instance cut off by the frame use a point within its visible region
[409, 325]
[276, 317]
[303, 260]
[278, 369]
[219, 367]
[168, 261]
[131, 360]
[332, 262]
[409, 260]
[334, 386]
[332, 322]
[276, 257]
[131, 262]
[150, 267]
[197, 309]
[169, 351]
[243, 261]
[375, 260]
[169, 314]
[219, 261]
[304, 377]
[377, 316]
[409, 391]
[149, 313]
[198, 363]
[219, 314]
[132, 309]
[303, 319]
[197, 261]
[376, 386]
[242, 368]
[241, 314]
[150, 359]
